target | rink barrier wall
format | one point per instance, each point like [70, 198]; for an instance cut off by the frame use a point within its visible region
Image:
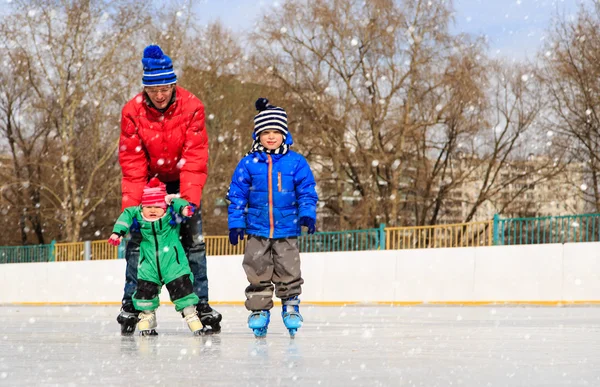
[550, 274]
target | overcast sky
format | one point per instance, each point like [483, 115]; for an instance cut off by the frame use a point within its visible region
[514, 28]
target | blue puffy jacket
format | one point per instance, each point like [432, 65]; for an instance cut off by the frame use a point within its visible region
[269, 194]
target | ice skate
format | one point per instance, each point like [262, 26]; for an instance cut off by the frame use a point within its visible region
[191, 318]
[210, 318]
[258, 321]
[147, 323]
[292, 319]
[128, 319]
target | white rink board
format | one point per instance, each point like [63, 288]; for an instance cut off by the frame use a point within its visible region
[543, 273]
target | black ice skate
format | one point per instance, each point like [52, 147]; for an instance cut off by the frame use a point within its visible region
[210, 318]
[128, 318]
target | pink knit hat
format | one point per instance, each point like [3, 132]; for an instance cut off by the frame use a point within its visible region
[154, 194]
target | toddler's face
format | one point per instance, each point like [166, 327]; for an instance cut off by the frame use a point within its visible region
[152, 212]
[271, 139]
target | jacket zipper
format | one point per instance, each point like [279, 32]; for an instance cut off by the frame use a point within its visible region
[156, 252]
[279, 181]
[177, 255]
[270, 173]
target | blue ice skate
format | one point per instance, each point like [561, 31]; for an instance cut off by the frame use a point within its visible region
[290, 311]
[258, 321]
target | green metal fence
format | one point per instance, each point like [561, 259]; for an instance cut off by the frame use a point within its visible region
[21, 254]
[547, 229]
[351, 240]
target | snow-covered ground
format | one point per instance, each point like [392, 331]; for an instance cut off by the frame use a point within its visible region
[338, 346]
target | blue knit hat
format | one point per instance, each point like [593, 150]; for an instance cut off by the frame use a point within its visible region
[158, 68]
[269, 117]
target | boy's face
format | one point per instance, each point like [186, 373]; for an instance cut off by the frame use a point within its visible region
[271, 139]
[152, 212]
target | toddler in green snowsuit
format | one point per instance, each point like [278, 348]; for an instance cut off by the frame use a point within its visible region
[162, 258]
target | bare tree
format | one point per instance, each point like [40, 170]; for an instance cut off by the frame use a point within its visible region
[355, 69]
[511, 154]
[73, 54]
[25, 142]
[571, 71]
[217, 73]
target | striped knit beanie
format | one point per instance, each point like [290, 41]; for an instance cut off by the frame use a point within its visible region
[158, 68]
[154, 194]
[269, 117]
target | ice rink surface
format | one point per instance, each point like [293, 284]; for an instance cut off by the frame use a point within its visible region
[337, 346]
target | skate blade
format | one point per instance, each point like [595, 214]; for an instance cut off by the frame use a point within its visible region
[292, 333]
[148, 333]
[128, 332]
[212, 329]
[260, 333]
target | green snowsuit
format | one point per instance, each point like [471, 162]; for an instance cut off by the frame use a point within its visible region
[162, 259]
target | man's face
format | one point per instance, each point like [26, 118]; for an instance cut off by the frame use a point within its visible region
[271, 139]
[152, 212]
[160, 95]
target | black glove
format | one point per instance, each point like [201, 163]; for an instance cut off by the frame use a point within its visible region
[236, 235]
[308, 223]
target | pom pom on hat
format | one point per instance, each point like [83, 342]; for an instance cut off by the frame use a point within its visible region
[153, 51]
[154, 182]
[261, 104]
[158, 68]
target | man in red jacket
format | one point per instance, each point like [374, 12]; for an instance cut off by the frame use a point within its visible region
[163, 135]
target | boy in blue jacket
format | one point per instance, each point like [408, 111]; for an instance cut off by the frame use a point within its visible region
[272, 194]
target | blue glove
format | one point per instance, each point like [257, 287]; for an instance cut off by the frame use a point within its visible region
[308, 223]
[235, 235]
[176, 217]
[135, 226]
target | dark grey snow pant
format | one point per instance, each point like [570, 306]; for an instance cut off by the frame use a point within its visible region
[269, 262]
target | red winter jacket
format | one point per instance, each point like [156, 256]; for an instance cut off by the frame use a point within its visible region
[172, 146]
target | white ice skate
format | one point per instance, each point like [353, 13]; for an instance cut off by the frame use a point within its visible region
[147, 323]
[193, 321]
